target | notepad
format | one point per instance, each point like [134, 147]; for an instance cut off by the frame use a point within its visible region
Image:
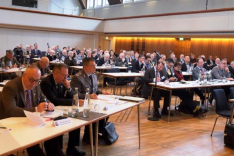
[46, 114]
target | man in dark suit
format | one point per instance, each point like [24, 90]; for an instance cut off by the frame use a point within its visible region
[231, 69]
[139, 65]
[181, 60]
[121, 60]
[10, 62]
[57, 89]
[210, 62]
[35, 53]
[23, 93]
[43, 65]
[217, 60]
[104, 60]
[187, 64]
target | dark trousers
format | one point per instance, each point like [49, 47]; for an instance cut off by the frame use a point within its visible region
[9, 76]
[198, 92]
[52, 148]
[73, 140]
[182, 94]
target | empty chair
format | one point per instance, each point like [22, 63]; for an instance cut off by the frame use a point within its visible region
[222, 107]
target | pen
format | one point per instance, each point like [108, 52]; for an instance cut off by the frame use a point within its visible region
[3, 128]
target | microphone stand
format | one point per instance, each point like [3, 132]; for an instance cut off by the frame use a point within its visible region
[153, 117]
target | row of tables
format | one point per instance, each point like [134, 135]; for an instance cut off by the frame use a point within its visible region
[21, 137]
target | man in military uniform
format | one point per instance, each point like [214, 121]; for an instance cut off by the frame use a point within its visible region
[88, 79]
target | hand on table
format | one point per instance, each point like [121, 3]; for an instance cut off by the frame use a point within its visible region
[93, 96]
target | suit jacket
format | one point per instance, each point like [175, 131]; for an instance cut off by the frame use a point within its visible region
[69, 62]
[181, 61]
[33, 53]
[101, 62]
[119, 62]
[209, 62]
[149, 78]
[82, 81]
[13, 61]
[216, 73]
[196, 72]
[231, 71]
[164, 75]
[136, 67]
[51, 58]
[46, 70]
[184, 67]
[58, 96]
[12, 99]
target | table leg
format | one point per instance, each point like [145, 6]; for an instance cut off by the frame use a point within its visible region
[91, 138]
[150, 100]
[169, 106]
[139, 125]
[96, 139]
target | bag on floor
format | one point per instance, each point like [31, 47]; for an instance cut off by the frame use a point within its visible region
[229, 132]
[109, 134]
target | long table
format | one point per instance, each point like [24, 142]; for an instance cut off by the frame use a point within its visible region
[189, 84]
[124, 75]
[21, 137]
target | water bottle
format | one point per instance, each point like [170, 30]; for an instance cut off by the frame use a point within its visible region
[75, 104]
[87, 105]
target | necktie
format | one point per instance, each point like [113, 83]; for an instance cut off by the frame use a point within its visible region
[91, 79]
[202, 71]
[169, 72]
[28, 100]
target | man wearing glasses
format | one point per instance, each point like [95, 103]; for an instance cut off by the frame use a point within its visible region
[57, 89]
[23, 93]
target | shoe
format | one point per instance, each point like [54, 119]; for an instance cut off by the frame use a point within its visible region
[73, 151]
[201, 111]
[87, 140]
[157, 114]
[166, 112]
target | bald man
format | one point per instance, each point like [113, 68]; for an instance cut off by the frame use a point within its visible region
[43, 65]
[24, 93]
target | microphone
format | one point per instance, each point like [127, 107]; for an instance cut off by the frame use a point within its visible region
[48, 45]
[169, 51]
[157, 55]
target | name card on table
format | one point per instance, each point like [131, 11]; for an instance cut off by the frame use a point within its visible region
[62, 122]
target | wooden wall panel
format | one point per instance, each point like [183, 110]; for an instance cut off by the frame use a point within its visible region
[206, 46]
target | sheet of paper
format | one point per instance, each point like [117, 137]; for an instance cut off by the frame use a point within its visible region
[34, 120]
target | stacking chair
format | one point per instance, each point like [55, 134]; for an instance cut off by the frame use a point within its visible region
[222, 108]
[231, 96]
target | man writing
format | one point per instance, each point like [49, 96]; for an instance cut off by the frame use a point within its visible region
[23, 93]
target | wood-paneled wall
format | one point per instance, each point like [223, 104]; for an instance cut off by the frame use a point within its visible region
[207, 46]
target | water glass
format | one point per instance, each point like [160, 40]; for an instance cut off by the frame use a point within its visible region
[96, 108]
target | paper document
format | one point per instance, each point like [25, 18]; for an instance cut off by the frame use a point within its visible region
[34, 120]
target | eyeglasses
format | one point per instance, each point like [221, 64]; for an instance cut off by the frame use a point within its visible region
[64, 75]
[32, 80]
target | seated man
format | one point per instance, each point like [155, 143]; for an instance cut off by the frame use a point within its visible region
[221, 72]
[63, 56]
[10, 62]
[57, 89]
[150, 77]
[88, 79]
[231, 69]
[104, 61]
[23, 93]
[43, 65]
[187, 64]
[121, 60]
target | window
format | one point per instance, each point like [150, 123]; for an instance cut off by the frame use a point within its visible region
[90, 4]
[105, 3]
[98, 3]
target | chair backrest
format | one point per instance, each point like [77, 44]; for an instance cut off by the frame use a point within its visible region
[221, 100]
[231, 92]
[112, 70]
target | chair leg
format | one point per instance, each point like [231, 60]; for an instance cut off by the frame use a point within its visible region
[227, 121]
[214, 125]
